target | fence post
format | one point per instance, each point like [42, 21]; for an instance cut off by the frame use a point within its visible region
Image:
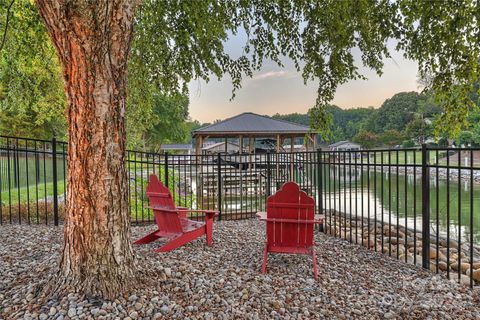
[16, 183]
[219, 186]
[319, 181]
[319, 185]
[269, 187]
[425, 208]
[55, 182]
[166, 170]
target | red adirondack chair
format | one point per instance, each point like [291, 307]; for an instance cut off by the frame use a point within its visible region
[290, 218]
[172, 221]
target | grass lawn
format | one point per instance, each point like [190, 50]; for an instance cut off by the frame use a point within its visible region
[26, 194]
[402, 157]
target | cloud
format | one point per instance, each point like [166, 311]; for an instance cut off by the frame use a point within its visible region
[272, 75]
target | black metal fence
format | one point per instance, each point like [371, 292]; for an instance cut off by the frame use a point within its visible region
[418, 205]
[33, 180]
[233, 184]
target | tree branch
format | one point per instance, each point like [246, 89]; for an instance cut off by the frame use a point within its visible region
[7, 19]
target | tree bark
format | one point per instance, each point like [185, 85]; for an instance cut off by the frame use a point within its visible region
[92, 40]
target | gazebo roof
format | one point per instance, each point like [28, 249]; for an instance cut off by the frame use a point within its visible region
[249, 123]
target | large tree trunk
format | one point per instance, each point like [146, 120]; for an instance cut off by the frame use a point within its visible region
[92, 39]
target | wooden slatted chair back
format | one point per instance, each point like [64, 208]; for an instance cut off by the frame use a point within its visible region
[286, 210]
[161, 200]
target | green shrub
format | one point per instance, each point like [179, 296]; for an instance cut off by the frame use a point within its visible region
[408, 144]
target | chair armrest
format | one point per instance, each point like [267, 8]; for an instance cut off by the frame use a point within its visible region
[209, 214]
[162, 209]
[196, 210]
[318, 219]
[292, 221]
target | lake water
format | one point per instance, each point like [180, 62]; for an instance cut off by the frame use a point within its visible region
[399, 198]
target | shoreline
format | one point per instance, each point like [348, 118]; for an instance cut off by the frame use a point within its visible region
[406, 245]
[411, 171]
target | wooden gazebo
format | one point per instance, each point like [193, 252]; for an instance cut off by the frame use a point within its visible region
[250, 126]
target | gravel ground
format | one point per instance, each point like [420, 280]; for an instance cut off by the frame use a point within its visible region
[224, 282]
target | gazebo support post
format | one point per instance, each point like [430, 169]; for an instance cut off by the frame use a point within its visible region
[240, 144]
[292, 158]
[199, 145]
[250, 152]
[279, 143]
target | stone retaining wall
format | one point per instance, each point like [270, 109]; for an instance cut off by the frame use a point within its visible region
[405, 244]
[410, 170]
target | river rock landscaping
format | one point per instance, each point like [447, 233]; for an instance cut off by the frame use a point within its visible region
[224, 282]
[406, 245]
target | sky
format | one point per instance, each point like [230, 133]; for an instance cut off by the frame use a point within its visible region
[281, 90]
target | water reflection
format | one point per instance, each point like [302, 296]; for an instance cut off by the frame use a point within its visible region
[393, 196]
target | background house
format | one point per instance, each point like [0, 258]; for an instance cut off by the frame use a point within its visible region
[344, 146]
[184, 148]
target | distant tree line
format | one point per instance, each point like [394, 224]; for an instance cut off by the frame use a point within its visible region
[406, 119]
